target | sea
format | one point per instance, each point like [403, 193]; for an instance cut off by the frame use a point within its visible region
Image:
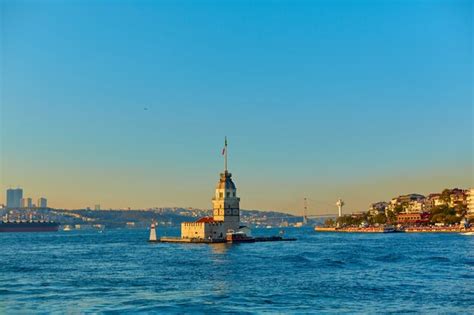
[118, 271]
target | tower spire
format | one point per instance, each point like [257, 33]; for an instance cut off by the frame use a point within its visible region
[224, 152]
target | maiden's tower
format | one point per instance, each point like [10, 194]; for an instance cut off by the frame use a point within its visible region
[224, 224]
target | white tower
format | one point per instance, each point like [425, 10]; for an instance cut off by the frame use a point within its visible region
[152, 232]
[339, 205]
[226, 204]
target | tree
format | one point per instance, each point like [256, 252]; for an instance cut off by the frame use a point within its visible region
[461, 210]
[391, 217]
[380, 219]
[398, 208]
[329, 222]
[444, 214]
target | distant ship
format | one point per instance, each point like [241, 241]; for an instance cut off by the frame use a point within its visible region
[28, 226]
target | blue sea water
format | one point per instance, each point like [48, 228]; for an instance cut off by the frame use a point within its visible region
[119, 271]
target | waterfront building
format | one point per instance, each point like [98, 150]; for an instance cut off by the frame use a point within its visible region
[357, 214]
[14, 197]
[433, 200]
[97, 207]
[470, 203]
[42, 203]
[416, 206]
[413, 218]
[458, 197]
[408, 202]
[378, 208]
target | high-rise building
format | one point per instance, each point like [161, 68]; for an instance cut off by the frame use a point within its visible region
[42, 203]
[14, 197]
[97, 207]
[26, 203]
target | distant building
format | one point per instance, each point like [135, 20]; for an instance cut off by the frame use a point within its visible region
[409, 203]
[470, 203]
[97, 207]
[14, 197]
[357, 214]
[413, 218]
[42, 203]
[458, 197]
[433, 200]
[26, 203]
[378, 208]
[416, 206]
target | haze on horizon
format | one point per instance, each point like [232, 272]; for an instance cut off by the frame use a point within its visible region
[126, 104]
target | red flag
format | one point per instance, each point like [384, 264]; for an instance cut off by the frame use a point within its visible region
[225, 146]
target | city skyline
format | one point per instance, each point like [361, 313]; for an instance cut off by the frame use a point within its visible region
[319, 100]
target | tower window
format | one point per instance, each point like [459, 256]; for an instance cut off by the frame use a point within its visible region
[221, 195]
[228, 194]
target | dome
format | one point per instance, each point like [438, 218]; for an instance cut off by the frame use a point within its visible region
[226, 182]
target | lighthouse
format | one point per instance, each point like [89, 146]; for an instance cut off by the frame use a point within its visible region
[152, 232]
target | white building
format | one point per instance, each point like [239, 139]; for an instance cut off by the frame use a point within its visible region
[225, 212]
[415, 206]
[470, 203]
[378, 208]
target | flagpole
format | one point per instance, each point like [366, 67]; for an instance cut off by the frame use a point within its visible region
[225, 158]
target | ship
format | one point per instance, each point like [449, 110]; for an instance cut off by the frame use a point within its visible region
[29, 226]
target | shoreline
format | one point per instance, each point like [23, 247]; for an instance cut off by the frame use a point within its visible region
[394, 230]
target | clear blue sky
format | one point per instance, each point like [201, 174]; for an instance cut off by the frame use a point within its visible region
[362, 100]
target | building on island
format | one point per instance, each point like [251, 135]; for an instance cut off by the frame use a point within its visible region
[225, 212]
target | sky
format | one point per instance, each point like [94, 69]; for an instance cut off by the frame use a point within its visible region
[127, 103]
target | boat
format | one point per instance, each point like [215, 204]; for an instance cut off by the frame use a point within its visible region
[468, 233]
[238, 237]
[29, 226]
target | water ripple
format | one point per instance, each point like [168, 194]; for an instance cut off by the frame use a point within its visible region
[118, 271]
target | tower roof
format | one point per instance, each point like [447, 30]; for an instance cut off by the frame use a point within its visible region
[225, 182]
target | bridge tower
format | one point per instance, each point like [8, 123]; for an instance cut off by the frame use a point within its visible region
[305, 211]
